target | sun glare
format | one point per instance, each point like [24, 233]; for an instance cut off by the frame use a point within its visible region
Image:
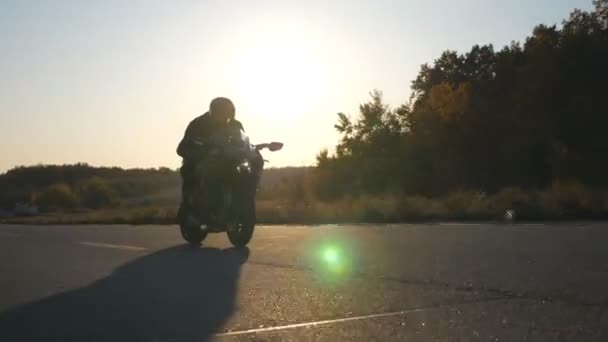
[280, 80]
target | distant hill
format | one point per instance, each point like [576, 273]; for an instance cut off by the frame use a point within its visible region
[131, 187]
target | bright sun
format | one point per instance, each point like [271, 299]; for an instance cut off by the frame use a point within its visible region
[280, 79]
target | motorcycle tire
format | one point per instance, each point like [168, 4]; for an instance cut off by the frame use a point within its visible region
[190, 228]
[242, 232]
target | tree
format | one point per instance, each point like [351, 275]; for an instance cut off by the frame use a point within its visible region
[56, 196]
[524, 116]
[95, 193]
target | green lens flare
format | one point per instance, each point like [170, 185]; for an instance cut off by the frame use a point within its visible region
[330, 255]
[331, 260]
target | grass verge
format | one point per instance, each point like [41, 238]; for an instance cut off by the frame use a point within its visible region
[560, 201]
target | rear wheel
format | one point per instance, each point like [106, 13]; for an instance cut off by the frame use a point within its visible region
[190, 228]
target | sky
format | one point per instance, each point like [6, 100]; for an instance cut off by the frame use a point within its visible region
[115, 83]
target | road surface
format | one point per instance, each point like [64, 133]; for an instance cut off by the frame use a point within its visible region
[433, 282]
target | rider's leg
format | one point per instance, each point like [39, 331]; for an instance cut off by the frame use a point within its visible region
[257, 165]
[188, 182]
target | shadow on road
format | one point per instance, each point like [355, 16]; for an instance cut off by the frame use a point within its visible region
[177, 294]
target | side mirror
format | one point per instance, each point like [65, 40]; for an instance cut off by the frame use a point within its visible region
[275, 146]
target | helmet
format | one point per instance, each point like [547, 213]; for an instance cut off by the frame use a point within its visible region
[222, 109]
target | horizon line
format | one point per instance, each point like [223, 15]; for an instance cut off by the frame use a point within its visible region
[85, 164]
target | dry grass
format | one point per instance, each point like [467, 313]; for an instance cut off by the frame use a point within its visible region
[562, 200]
[146, 215]
[570, 200]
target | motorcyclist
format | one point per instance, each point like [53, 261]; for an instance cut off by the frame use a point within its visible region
[219, 119]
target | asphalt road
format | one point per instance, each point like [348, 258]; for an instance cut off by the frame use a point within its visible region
[452, 282]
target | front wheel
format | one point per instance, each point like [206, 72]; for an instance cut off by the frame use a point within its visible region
[241, 233]
[190, 228]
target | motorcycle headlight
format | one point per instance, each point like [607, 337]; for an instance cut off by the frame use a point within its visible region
[244, 166]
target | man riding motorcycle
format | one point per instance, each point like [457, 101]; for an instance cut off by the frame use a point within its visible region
[220, 119]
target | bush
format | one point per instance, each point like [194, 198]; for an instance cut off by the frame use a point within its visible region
[569, 200]
[56, 196]
[459, 204]
[416, 208]
[95, 193]
[524, 203]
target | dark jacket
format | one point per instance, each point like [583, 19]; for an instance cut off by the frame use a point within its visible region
[201, 128]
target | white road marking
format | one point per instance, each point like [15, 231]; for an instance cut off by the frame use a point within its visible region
[273, 237]
[317, 323]
[460, 224]
[346, 319]
[264, 246]
[109, 245]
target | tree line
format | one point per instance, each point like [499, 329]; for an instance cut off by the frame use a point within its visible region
[54, 187]
[525, 116]
[65, 187]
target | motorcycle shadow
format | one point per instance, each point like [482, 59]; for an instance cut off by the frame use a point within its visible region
[176, 294]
